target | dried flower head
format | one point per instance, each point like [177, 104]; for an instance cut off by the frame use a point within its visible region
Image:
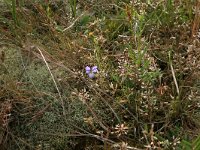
[121, 129]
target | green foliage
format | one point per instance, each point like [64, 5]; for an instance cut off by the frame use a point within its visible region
[14, 13]
[73, 5]
[145, 94]
[194, 145]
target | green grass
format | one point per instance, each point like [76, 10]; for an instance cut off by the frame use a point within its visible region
[144, 96]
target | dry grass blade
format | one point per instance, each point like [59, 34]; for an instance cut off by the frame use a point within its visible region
[174, 77]
[173, 74]
[72, 24]
[53, 78]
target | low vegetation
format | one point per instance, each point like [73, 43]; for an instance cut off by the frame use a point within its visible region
[99, 75]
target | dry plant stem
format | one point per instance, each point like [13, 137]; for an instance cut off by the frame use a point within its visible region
[93, 135]
[98, 90]
[173, 74]
[122, 107]
[106, 103]
[63, 106]
[15, 137]
[196, 22]
[174, 77]
[86, 135]
[25, 71]
[103, 139]
[95, 116]
[70, 26]
[39, 113]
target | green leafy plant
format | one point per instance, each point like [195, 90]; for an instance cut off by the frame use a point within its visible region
[14, 13]
[73, 5]
[194, 145]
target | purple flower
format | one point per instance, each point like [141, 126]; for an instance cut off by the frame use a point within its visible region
[91, 71]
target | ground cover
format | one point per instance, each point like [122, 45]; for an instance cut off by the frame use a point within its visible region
[99, 74]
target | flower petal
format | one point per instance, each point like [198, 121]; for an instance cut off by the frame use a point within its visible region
[94, 69]
[91, 75]
[87, 69]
